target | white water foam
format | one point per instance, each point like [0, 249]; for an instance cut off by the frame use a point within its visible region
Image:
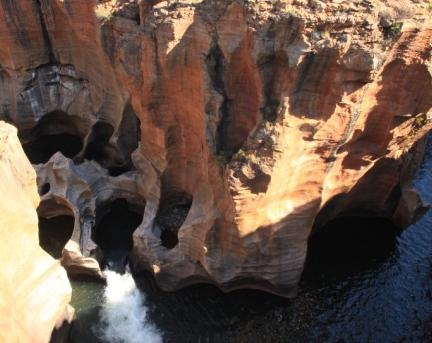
[124, 314]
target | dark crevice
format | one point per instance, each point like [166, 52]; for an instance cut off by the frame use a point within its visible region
[98, 141]
[271, 66]
[129, 131]
[347, 246]
[54, 233]
[307, 66]
[239, 113]
[46, 36]
[222, 146]
[215, 64]
[215, 68]
[117, 171]
[115, 223]
[107, 37]
[170, 218]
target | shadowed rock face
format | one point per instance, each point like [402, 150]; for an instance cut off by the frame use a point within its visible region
[170, 219]
[263, 119]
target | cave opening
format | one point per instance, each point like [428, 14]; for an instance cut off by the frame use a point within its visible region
[170, 218]
[56, 131]
[115, 224]
[56, 224]
[348, 245]
[42, 148]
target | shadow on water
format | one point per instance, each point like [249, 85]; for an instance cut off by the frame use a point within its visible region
[347, 246]
[363, 282]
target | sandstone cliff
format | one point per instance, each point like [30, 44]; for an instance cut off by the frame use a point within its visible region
[34, 289]
[238, 125]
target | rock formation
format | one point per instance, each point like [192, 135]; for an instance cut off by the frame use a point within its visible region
[34, 289]
[233, 127]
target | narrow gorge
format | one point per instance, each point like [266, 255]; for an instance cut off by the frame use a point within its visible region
[247, 147]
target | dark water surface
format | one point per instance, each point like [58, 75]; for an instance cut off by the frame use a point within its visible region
[363, 282]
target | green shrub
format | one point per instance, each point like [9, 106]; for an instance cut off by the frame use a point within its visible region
[394, 30]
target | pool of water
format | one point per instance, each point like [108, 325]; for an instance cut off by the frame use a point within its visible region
[86, 296]
[379, 293]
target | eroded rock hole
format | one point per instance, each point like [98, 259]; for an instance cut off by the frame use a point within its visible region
[55, 132]
[56, 223]
[44, 189]
[54, 233]
[347, 246]
[128, 140]
[115, 157]
[97, 146]
[169, 220]
[115, 223]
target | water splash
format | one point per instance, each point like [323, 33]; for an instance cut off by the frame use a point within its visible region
[124, 315]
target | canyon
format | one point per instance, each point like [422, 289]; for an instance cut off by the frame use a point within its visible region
[205, 141]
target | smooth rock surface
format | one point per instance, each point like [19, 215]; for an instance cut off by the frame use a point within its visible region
[34, 289]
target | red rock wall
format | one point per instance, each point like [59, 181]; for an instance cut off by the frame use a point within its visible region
[266, 118]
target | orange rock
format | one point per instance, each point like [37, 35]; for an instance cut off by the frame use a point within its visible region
[269, 119]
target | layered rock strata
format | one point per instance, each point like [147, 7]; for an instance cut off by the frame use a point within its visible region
[34, 289]
[258, 122]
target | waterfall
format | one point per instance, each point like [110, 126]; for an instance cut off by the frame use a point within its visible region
[124, 315]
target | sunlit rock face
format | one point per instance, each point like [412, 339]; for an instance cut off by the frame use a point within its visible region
[34, 289]
[240, 125]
